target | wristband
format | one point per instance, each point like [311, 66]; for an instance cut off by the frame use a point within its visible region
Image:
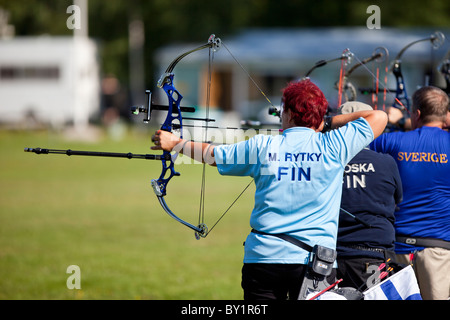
[327, 123]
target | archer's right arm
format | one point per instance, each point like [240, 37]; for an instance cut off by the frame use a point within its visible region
[377, 120]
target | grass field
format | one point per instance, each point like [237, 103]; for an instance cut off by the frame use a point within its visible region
[101, 215]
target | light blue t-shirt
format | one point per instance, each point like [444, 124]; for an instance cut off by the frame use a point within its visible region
[298, 178]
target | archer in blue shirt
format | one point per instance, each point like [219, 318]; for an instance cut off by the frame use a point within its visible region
[422, 223]
[298, 178]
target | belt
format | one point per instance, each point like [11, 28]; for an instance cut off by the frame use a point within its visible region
[287, 238]
[424, 242]
[362, 248]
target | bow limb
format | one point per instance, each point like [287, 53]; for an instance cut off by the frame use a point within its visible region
[345, 59]
[159, 187]
[344, 56]
[213, 43]
[380, 54]
[200, 231]
[436, 39]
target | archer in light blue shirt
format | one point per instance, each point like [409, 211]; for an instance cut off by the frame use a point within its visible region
[298, 177]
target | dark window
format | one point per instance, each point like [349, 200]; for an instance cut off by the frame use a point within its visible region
[29, 73]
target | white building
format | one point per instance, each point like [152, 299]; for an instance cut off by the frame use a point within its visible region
[53, 80]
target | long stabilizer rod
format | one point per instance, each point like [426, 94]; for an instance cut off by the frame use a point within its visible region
[70, 152]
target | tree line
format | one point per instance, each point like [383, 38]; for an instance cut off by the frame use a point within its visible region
[171, 21]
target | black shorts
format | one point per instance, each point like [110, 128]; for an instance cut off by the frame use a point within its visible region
[262, 281]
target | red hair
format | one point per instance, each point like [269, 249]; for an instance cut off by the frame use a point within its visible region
[307, 103]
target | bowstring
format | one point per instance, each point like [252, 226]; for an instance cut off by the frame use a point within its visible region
[208, 93]
[341, 76]
[228, 209]
[376, 83]
[201, 215]
[386, 70]
[376, 86]
[248, 74]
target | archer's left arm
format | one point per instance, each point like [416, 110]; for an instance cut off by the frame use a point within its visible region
[199, 151]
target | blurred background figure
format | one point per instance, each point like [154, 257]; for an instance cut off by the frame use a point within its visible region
[423, 220]
[371, 190]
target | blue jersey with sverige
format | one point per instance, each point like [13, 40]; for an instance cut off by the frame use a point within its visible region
[298, 178]
[423, 160]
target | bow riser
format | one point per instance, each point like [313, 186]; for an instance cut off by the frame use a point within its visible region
[173, 114]
[401, 100]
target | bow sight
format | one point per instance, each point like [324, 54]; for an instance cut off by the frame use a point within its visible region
[147, 110]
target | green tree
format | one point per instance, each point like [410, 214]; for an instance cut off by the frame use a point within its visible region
[169, 21]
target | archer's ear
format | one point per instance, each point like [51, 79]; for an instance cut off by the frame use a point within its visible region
[417, 114]
[415, 118]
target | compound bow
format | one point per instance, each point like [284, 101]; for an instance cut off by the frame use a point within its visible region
[173, 119]
[401, 100]
[166, 82]
[345, 59]
[379, 55]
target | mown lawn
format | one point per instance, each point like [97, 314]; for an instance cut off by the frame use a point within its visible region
[101, 215]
